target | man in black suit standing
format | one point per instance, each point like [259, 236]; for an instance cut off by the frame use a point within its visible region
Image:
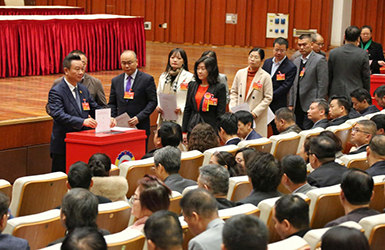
[133, 92]
[282, 72]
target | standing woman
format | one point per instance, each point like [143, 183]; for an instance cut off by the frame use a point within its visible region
[376, 55]
[252, 85]
[174, 81]
[206, 98]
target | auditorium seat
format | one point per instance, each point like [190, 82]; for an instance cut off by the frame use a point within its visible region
[266, 216]
[53, 247]
[188, 189]
[308, 133]
[209, 152]
[355, 161]
[39, 229]
[374, 228]
[285, 144]
[355, 120]
[369, 116]
[37, 193]
[378, 200]
[174, 202]
[114, 171]
[6, 188]
[249, 209]
[239, 188]
[325, 205]
[135, 170]
[343, 132]
[190, 163]
[114, 216]
[127, 239]
[261, 144]
[292, 243]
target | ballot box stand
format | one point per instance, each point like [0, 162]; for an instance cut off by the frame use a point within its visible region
[376, 81]
[118, 145]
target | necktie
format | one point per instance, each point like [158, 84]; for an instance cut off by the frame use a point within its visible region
[128, 85]
[78, 98]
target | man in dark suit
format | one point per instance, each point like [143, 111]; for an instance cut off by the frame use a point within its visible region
[379, 120]
[376, 155]
[326, 172]
[348, 65]
[167, 162]
[133, 92]
[362, 102]
[339, 108]
[228, 128]
[282, 72]
[245, 125]
[310, 83]
[361, 135]
[70, 106]
[318, 113]
[379, 95]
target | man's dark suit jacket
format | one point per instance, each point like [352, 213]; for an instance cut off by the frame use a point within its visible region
[66, 114]
[355, 215]
[369, 110]
[280, 88]
[224, 203]
[253, 135]
[10, 242]
[177, 183]
[377, 168]
[143, 104]
[359, 150]
[339, 120]
[233, 141]
[328, 174]
[324, 123]
[258, 196]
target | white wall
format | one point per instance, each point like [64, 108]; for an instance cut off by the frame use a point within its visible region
[342, 12]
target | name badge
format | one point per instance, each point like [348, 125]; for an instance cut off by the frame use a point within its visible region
[184, 85]
[280, 76]
[257, 86]
[302, 72]
[86, 105]
[129, 95]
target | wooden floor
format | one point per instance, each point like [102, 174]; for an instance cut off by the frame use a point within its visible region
[25, 97]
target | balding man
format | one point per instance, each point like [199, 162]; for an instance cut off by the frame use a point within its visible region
[361, 135]
[376, 155]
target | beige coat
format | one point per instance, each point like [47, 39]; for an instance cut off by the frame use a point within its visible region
[258, 100]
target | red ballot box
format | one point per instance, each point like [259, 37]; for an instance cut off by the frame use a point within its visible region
[376, 81]
[119, 146]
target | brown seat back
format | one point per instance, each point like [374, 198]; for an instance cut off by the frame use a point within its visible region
[189, 167]
[328, 207]
[286, 147]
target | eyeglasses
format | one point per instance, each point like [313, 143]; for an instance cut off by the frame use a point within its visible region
[355, 130]
[132, 200]
[238, 159]
[311, 153]
[127, 63]
[320, 44]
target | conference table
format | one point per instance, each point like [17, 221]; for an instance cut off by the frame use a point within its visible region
[41, 10]
[37, 45]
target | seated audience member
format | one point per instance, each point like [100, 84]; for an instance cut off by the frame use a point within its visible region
[202, 137]
[361, 135]
[112, 187]
[245, 125]
[379, 120]
[227, 160]
[326, 172]
[167, 162]
[344, 238]
[246, 232]
[362, 102]
[80, 176]
[379, 95]
[7, 241]
[79, 208]
[355, 196]
[265, 174]
[376, 155]
[150, 196]
[304, 151]
[339, 108]
[285, 121]
[294, 174]
[243, 156]
[215, 179]
[163, 231]
[291, 216]
[84, 238]
[336, 140]
[318, 113]
[168, 134]
[228, 128]
[200, 211]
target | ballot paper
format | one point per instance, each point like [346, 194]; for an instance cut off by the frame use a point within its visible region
[103, 118]
[270, 116]
[244, 106]
[122, 121]
[168, 104]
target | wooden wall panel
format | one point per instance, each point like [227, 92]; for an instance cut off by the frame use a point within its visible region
[120, 7]
[231, 7]
[240, 34]
[71, 3]
[150, 17]
[177, 21]
[160, 18]
[258, 19]
[38, 2]
[190, 22]
[217, 22]
[98, 7]
[200, 20]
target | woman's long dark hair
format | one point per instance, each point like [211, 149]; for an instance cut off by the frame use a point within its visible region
[211, 67]
[182, 53]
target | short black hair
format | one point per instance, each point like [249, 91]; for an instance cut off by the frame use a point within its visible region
[199, 201]
[342, 101]
[285, 114]
[352, 33]
[229, 123]
[265, 172]
[294, 209]
[169, 157]
[305, 36]
[323, 147]
[260, 51]
[335, 138]
[80, 238]
[281, 41]
[379, 120]
[100, 164]
[380, 91]
[294, 166]
[357, 186]
[170, 134]
[245, 117]
[4, 204]
[210, 53]
[361, 94]
[182, 54]
[242, 232]
[322, 105]
[344, 238]
[366, 27]
[68, 60]
[377, 145]
[79, 175]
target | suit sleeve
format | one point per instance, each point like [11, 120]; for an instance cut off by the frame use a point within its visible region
[234, 95]
[152, 100]
[267, 96]
[322, 78]
[194, 245]
[365, 74]
[113, 100]
[187, 108]
[286, 85]
[330, 67]
[221, 95]
[312, 181]
[101, 96]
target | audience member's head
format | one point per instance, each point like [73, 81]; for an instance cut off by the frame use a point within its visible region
[227, 126]
[82, 55]
[379, 95]
[305, 44]
[339, 106]
[167, 161]
[376, 149]
[163, 231]
[284, 118]
[379, 120]
[199, 209]
[202, 137]
[322, 149]
[79, 176]
[361, 99]
[280, 46]
[290, 215]
[243, 157]
[265, 172]
[227, 160]
[79, 208]
[362, 132]
[84, 238]
[245, 123]
[4, 205]
[352, 34]
[318, 42]
[356, 187]
[245, 232]
[294, 172]
[215, 179]
[335, 138]
[168, 134]
[344, 238]
[100, 164]
[318, 110]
